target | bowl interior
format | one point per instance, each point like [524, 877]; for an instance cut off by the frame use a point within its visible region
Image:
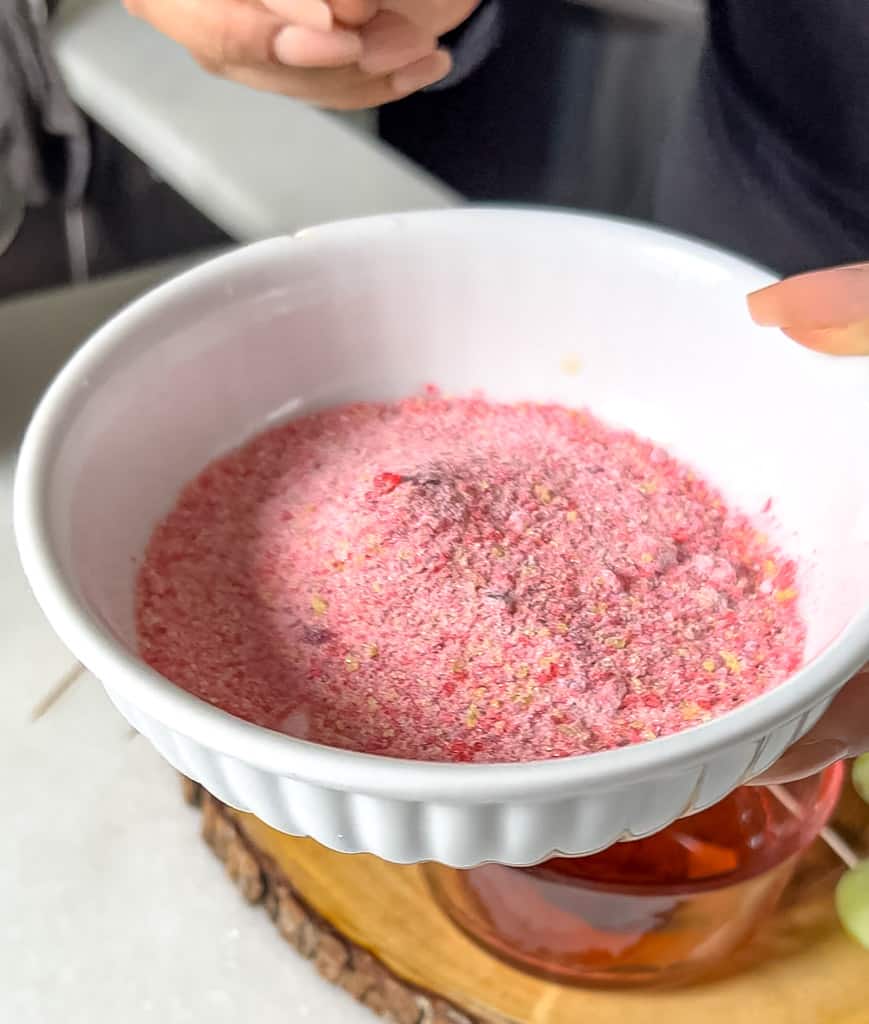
[649, 331]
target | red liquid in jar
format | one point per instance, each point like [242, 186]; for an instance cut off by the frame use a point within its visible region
[661, 910]
[734, 839]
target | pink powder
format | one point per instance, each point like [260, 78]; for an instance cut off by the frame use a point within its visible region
[464, 581]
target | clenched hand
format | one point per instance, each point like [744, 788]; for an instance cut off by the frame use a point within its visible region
[344, 55]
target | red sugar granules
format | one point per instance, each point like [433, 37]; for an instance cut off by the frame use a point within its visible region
[464, 581]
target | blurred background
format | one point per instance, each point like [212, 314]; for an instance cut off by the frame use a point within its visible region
[570, 113]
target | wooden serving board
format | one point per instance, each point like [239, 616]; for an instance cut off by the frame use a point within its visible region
[372, 928]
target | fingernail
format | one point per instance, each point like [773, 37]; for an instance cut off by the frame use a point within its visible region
[816, 300]
[307, 48]
[422, 74]
[313, 14]
[760, 308]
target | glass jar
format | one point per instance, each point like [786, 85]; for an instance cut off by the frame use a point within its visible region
[661, 910]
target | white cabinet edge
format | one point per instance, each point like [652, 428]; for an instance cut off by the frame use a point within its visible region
[254, 163]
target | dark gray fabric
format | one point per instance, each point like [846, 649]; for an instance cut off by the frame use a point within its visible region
[728, 177]
[44, 146]
[771, 155]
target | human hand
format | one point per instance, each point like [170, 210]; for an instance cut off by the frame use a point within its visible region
[842, 732]
[827, 311]
[347, 55]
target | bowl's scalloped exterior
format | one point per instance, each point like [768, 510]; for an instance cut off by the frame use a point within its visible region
[463, 835]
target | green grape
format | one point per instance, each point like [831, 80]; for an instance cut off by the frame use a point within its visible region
[852, 903]
[860, 776]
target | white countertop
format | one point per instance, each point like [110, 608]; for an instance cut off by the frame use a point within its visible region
[256, 164]
[113, 909]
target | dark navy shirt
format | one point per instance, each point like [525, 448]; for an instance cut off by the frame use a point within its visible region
[771, 156]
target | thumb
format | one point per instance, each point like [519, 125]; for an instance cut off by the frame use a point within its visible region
[827, 310]
[843, 731]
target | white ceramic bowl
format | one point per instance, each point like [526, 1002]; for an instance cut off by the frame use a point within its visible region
[465, 299]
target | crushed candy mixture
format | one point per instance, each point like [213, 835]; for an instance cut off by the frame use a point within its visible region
[458, 580]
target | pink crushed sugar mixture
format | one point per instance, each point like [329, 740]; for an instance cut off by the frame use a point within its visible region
[457, 580]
